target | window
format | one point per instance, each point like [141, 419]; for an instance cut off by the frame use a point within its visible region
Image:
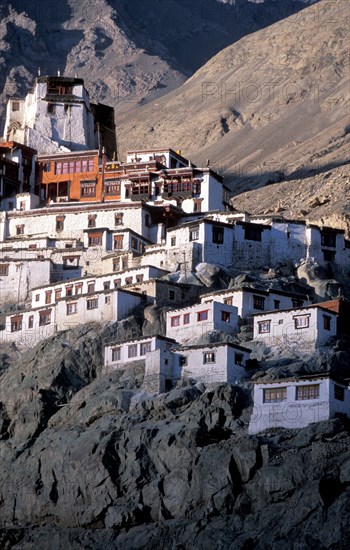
[274, 395]
[51, 108]
[139, 278]
[15, 106]
[95, 239]
[328, 255]
[32, 247]
[91, 287]
[239, 358]
[218, 234]
[339, 393]
[125, 263]
[92, 220]
[4, 270]
[132, 351]
[128, 280]
[106, 285]
[297, 302]
[22, 205]
[208, 357]
[264, 327]
[147, 220]
[112, 188]
[118, 242]
[228, 301]
[328, 239]
[116, 265]
[171, 294]
[69, 290]
[276, 304]
[252, 233]
[37, 297]
[59, 223]
[302, 321]
[173, 241]
[58, 294]
[88, 189]
[19, 229]
[108, 299]
[78, 289]
[194, 233]
[116, 354]
[175, 321]
[259, 302]
[92, 303]
[48, 296]
[118, 219]
[197, 205]
[44, 317]
[307, 392]
[16, 323]
[145, 347]
[186, 318]
[31, 321]
[225, 316]
[184, 360]
[327, 322]
[47, 166]
[202, 315]
[117, 283]
[134, 243]
[72, 307]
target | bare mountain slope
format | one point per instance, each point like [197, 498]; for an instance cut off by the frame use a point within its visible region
[276, 100]
[127, 50]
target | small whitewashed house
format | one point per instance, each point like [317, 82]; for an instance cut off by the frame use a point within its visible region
[296, 403]
[154, 351]
[250, 300]
[210, 363]
[192, 322]
[305, 328]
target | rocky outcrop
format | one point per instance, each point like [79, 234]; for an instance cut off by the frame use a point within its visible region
[87, 458]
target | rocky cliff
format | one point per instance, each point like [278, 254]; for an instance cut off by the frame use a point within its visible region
[88, 460]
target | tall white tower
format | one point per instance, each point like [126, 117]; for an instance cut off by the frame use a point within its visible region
[56, 116]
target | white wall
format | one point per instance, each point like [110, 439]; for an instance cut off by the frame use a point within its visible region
[22, 277]
[223, 369]
[196, 329]
[292, 413]
[284, 333]
[243, 299]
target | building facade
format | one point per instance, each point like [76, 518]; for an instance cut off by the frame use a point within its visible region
[296, 403]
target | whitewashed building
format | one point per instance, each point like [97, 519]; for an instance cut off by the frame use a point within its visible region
[154, 351]
[167, 363]
[191, 243]
[298, 402]
[18, 277]
[185, 324]
[299, 328]
[28, 327]
[52, 293]
[210, 363]
[251, 300]
[57, 115]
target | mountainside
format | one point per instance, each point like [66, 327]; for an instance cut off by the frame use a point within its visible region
[89, 461]
[126, 50]
[271, 104]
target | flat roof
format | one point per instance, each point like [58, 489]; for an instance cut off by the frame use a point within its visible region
[303, 308]
[210, 346]
[305, 377]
